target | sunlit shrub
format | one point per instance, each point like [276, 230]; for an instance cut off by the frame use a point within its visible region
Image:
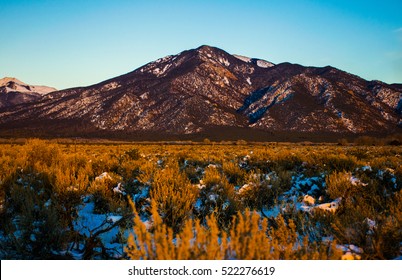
[260, 191]
[205, 183]
[107, 193]
[174, 196]
[233, 172]
[217, 196]
[339, 185]
[248, 238]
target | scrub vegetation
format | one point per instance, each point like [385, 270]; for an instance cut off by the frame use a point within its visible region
[209, 200]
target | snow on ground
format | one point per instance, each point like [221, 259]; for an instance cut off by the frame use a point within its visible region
[143, 194]
[119, 189]
[350, 252]
[308, 200]
[103, 176]
[356, 182]
[88, 223]
[245, 188]
[331, 206]
[272, 212]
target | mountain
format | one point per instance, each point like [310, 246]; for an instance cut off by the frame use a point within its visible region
[210, 93]
[13, 91]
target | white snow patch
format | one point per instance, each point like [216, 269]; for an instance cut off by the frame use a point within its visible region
[331, 206]
[272, 212]
[119, 189]
[264, 64]
[224, 61]
[356, 182]
[144, 95]
[351, 252]
[371, 224]
[366, 168]
[245, 187]
[114, 218]
[200, 186]
[87, 223]
[103, 176]
[213, 197]
[243, 58]
[309, 200]
[111, 86]
[48, 203]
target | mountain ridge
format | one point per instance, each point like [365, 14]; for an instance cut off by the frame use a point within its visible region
[14, 92]
[204, 90]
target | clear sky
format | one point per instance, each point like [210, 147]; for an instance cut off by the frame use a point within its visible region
[78, 43]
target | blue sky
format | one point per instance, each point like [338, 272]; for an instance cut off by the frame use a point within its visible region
[78, 43]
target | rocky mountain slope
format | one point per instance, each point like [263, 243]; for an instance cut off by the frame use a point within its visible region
[205, 91]
[13, 91]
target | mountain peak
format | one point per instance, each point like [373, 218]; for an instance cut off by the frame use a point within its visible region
[210, 52]
[6, 80]
[207, 91]
[206, 48]
[14, 91]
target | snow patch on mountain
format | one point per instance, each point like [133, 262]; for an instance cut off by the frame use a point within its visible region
[264, 64]
[259, 62]
[242, 58]
[159, 67]
[15, 85]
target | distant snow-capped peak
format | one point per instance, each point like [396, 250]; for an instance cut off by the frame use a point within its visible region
[11, 84]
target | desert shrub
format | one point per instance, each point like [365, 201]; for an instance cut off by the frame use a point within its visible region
[217, 196]
[133, 154]
[361, 153]
[288, 245]
[174, 196]
[41, 154]
[193, 242]
[339, 185]
[398, 176]
[249, 238]
[128, 169]
[282, 182]
[367, 141]
[340, 162]
[367, 216]
[212, 177]
[343, 142]
[233, 172]
[106, 191]
[286, 160]
[146, 172]
[193, 174]
[260, 191]
[33, 218]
